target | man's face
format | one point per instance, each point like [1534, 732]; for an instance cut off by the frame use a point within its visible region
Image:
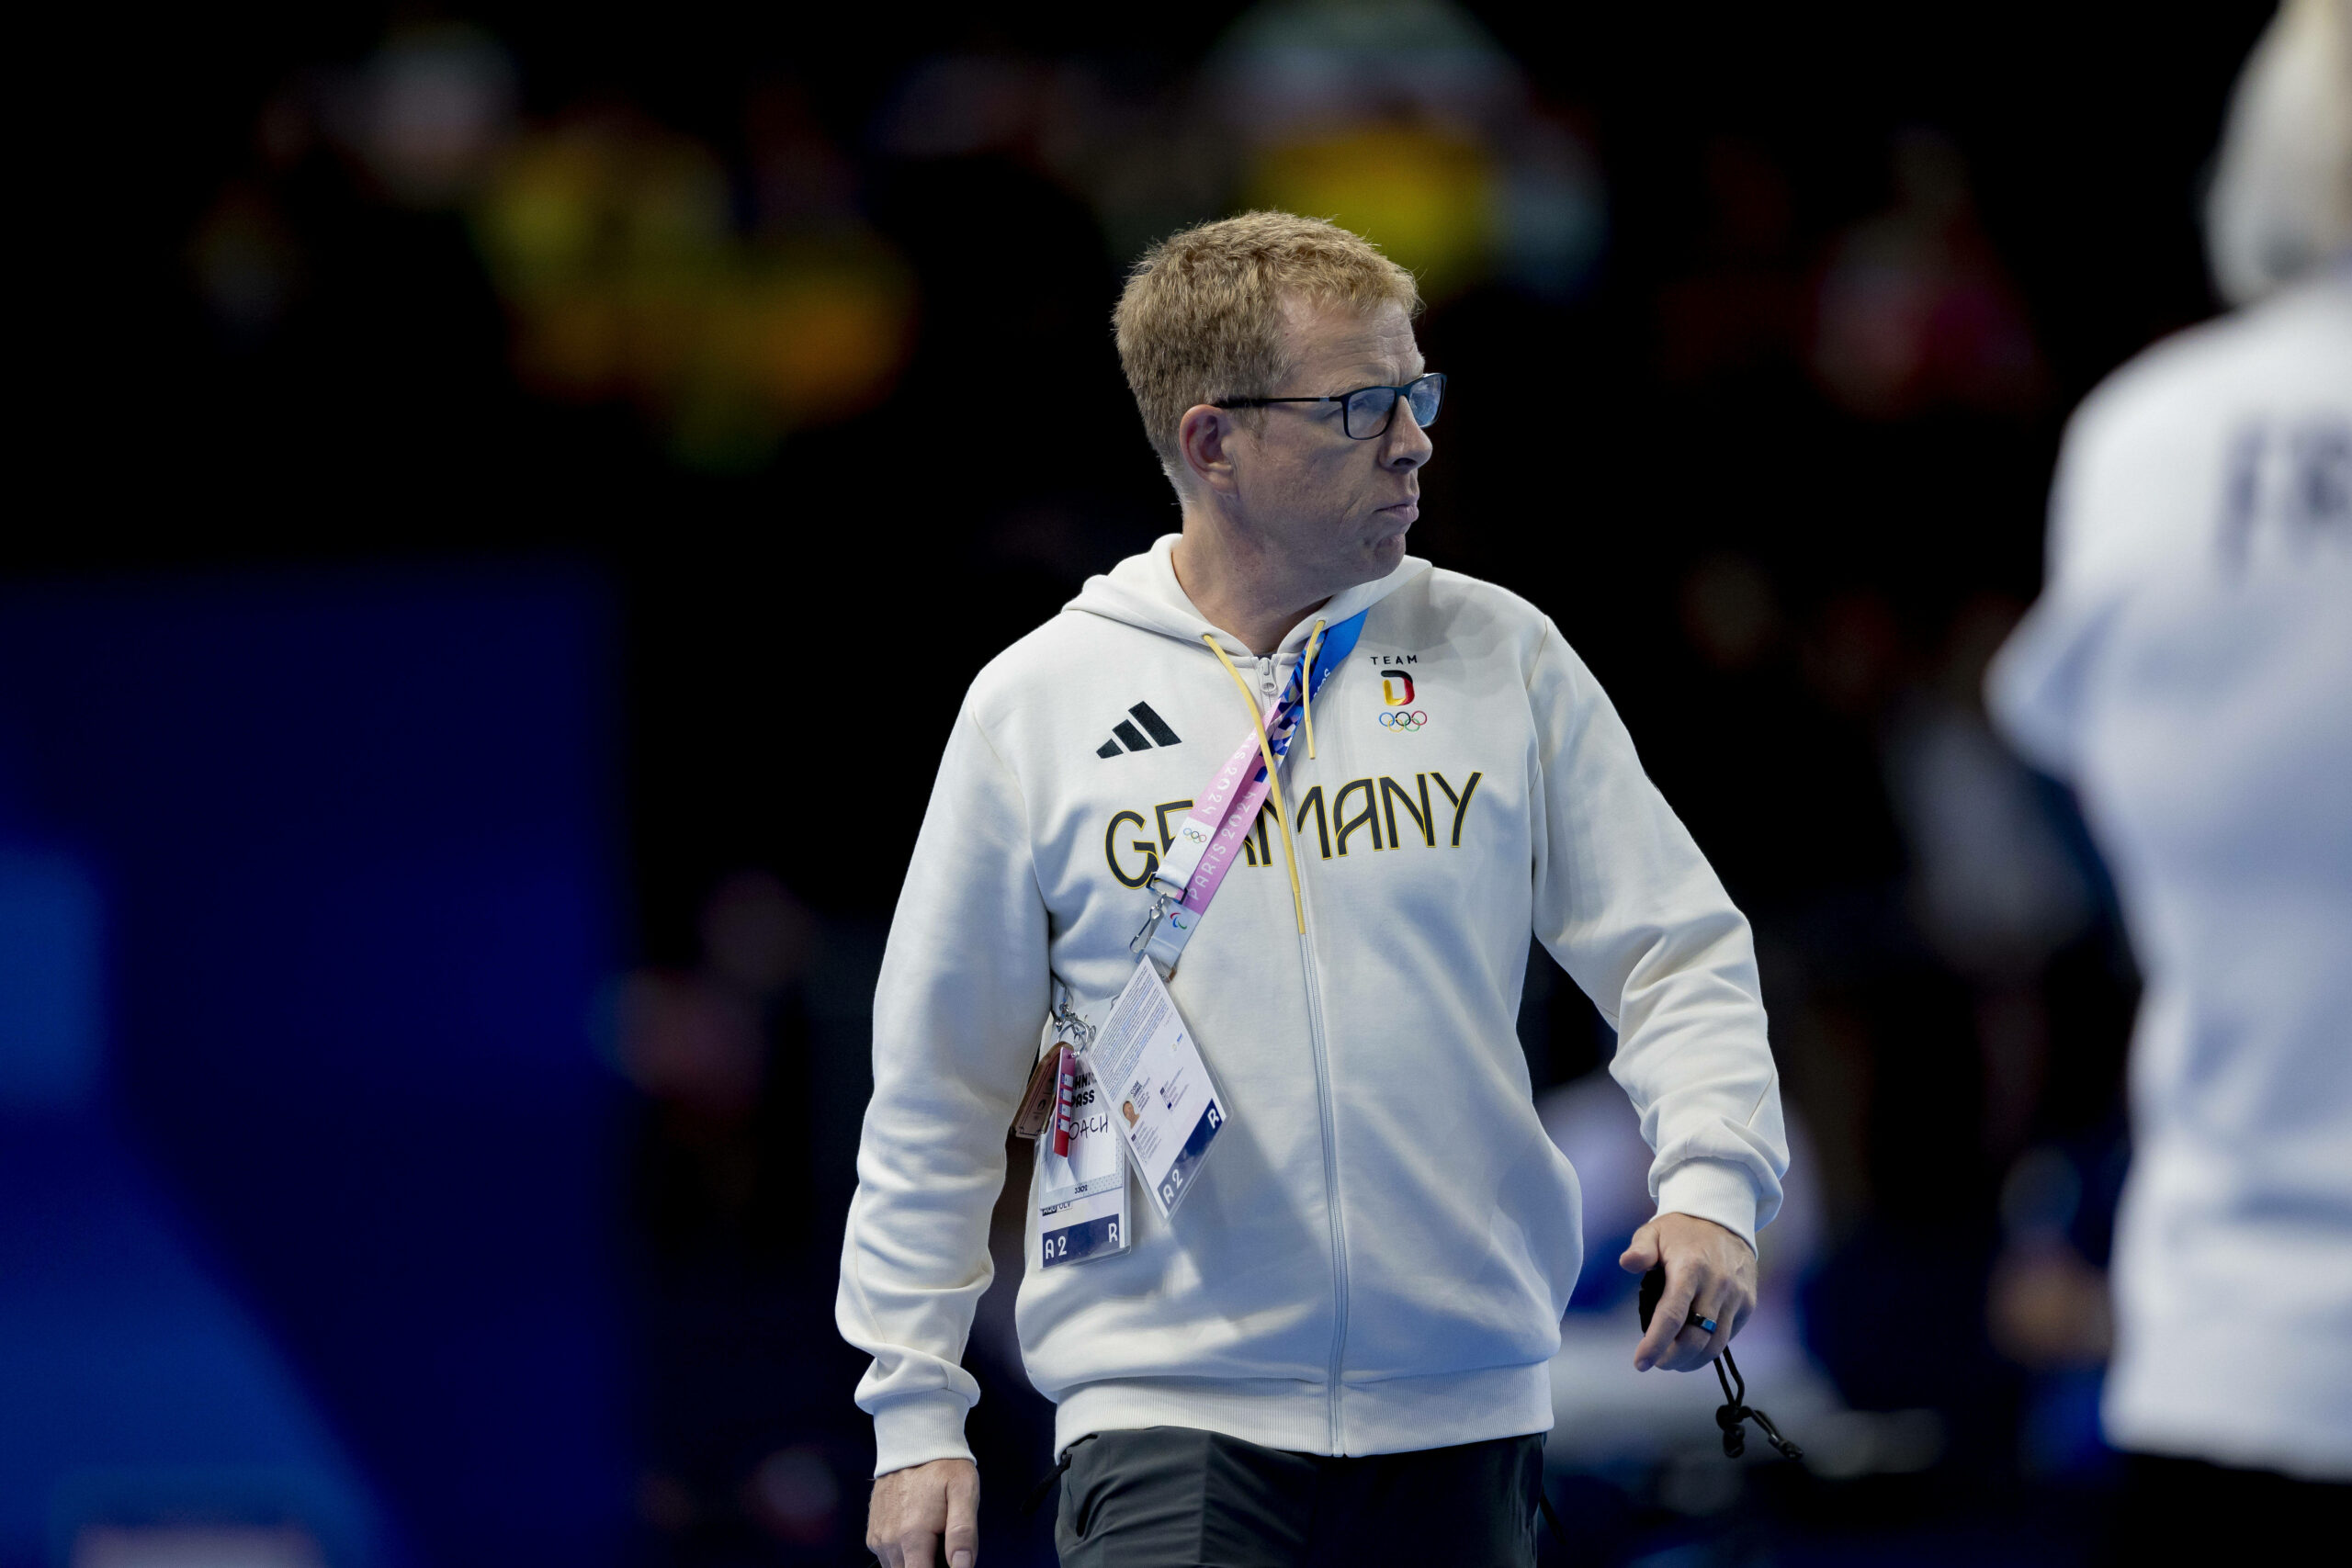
[1336, 510]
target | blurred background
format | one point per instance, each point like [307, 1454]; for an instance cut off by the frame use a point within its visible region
[437, 927]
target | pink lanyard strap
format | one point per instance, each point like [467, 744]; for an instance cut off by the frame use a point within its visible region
[1204, 848]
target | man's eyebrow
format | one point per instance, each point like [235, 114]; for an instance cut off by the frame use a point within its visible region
[1372, 370]
[1375, 373]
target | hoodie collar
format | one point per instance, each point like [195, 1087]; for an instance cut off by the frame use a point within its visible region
[1142, 590]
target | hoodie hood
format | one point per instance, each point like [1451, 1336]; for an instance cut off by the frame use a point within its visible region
[1142, 590]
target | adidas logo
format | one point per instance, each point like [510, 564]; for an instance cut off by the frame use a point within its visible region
[1124, 733]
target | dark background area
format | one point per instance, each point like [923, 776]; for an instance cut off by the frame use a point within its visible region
[372, 416]
[1758, 375]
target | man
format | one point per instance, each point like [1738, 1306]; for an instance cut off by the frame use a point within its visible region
[1336, 1348]
[2189, 669]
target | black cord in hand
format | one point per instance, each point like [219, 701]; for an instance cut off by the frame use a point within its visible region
[1736, 1408]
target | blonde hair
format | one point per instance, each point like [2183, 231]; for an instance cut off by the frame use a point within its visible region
[2281, 201]
[1201, 315]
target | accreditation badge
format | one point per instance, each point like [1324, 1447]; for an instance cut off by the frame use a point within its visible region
[1081, 1193]
[1163, 1104]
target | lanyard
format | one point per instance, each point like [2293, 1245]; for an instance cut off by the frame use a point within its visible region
[1203, 848]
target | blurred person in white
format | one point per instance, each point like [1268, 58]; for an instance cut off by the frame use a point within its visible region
[1336, 1350]
[2188, 669]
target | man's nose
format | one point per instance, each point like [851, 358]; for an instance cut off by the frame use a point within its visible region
[1406, 445]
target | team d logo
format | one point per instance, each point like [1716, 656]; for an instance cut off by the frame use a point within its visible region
[1397, 691]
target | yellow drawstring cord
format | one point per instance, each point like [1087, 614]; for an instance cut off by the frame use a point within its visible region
[1274, 777]
[1307, 685]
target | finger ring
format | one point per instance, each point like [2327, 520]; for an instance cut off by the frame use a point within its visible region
[1705, 1324]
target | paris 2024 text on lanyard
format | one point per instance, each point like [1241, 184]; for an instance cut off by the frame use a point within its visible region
[1141, 1078]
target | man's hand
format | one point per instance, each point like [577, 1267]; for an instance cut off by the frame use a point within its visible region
[914, 1508]
[1707, 1268]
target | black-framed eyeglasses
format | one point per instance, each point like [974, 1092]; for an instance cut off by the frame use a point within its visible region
[1368, 410]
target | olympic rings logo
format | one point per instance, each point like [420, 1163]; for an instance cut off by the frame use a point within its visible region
[1404, 721]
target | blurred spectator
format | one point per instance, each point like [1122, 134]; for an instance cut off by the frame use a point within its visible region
[1914, 311]
[2049, 1305]
[634, 265]
[428, 113]
[720, 1052]
[246, 265]
[1996, 887]
[2189, 669]
[1404, 121]
[1743, 308]
[730, 1204]
[418, 126]
[615, 244]
[1729, 611]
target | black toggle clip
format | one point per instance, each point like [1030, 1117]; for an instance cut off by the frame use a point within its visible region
[1735, 1409]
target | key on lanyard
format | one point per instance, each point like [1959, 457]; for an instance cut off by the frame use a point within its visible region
[1066, 1067]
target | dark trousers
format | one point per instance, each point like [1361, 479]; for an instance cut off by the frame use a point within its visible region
[2184, 1510]
[1173, 1497]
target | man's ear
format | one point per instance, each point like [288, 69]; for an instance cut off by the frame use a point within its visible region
[1205, 438]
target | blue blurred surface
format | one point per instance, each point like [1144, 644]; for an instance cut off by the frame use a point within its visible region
[124, 1366]
[50, 1039]
[351, 839]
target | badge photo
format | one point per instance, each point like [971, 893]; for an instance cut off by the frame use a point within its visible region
[1169, 1111]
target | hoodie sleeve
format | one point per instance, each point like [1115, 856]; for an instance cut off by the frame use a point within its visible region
[956, 1020]
[1632, 910]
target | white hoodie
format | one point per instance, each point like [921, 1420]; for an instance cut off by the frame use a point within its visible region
[1378, 1250]
[2188, 669]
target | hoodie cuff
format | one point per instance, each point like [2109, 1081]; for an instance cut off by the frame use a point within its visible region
[1711, 1190]
[918, 1429]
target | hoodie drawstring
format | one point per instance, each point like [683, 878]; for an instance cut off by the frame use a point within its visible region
[1274, 777]
[1306, 684]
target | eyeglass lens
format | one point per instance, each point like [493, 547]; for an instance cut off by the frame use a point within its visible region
[1369, 412]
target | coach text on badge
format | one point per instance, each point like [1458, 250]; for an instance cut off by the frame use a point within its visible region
[1082, 1196]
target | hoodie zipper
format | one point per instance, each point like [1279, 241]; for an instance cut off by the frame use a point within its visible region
[1327, 1108]
[1269, 675]
[1337, 1218]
